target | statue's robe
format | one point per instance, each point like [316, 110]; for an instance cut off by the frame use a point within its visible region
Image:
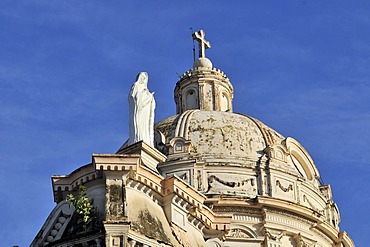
[142, 105]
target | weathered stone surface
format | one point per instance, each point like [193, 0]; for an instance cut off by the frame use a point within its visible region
[114, 200]
[150, 226]
[217, 134]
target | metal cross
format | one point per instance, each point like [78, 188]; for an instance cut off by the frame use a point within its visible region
[203, 44]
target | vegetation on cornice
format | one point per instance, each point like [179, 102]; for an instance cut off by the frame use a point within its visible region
[82, 205]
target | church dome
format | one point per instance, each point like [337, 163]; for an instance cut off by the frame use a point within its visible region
[219, 135]
[221, 153]
[212, 178]
[235, 161]
[228, 151]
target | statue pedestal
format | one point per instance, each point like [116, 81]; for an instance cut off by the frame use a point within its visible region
[150, 156]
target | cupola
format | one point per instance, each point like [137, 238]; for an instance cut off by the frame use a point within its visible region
[203, 87]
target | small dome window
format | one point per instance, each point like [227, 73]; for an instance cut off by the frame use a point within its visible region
[191, 101]
[224, 104]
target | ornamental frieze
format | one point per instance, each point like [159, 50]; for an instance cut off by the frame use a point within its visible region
[228, 185]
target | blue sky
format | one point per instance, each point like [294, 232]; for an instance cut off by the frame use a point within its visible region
[301, 67]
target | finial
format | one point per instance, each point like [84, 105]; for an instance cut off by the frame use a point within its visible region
[203, 44]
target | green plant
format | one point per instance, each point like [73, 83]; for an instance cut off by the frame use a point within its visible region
[82, 205]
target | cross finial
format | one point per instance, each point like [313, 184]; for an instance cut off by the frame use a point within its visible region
[203, 44]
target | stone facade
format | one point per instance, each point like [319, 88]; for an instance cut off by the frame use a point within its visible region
[214, 178]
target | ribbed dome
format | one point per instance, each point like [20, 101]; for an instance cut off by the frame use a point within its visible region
[220, 134]
[226, 154]
[231, 148]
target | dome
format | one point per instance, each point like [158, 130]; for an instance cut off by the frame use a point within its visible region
[235, 161]
[231, 148]
[226, 154]
[219, 134]
[212, 178]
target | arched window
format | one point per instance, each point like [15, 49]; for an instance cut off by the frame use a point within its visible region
[191, 100]
[224, 104]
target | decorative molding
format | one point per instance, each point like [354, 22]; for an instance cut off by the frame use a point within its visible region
[277, 151]
[297, 151]
[274, 236]
[236, 233]
[199, 179]
[237, 162]
[313, 207]
[55, 225]
[143, 188]
[81, 241]
[286, 221]
[290, 214]
[322, 235]
[196, 223]
[226, 184]
[247, 218]
[301, 242]
[184, 175]
[179, 145]
[286, 189]
[229, 184]
[248, 211]
[271, 137]
[326, 192]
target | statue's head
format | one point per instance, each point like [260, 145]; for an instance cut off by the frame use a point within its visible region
[142, 78]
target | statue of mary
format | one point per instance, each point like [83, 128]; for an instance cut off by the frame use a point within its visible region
[142, 105]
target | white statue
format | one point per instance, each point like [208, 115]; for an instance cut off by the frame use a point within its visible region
[142, 105]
